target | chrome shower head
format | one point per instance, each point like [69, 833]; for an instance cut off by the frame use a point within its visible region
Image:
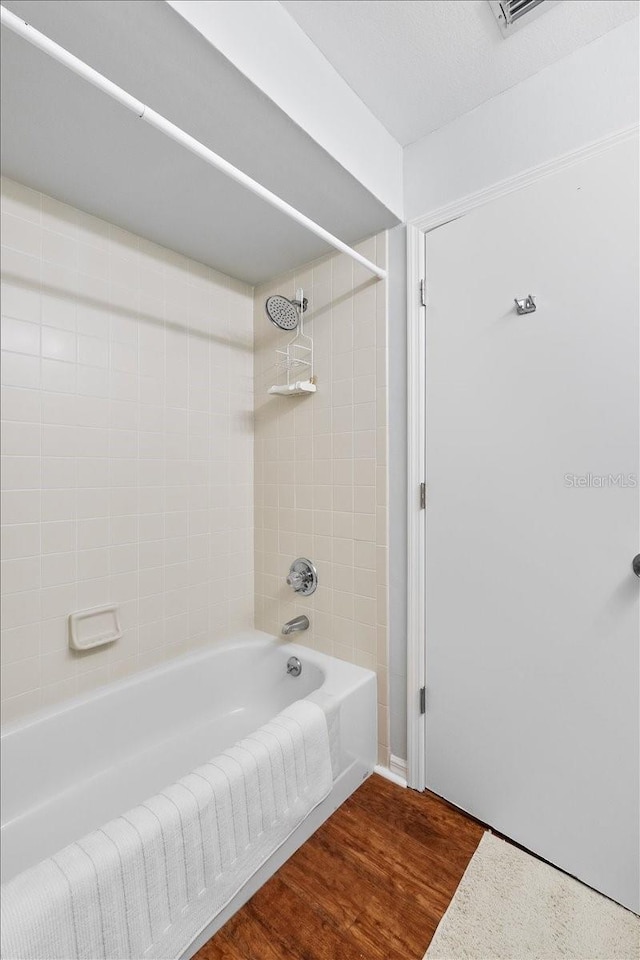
[284, 313]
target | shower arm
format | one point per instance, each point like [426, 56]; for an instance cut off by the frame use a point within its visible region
[143, 112]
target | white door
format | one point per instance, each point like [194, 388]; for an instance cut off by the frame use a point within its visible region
[533, 518]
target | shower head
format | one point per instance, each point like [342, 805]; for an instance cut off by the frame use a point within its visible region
[284, 313]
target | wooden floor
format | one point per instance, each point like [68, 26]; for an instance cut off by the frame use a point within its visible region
[371, 884]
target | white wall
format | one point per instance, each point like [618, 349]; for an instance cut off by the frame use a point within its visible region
[590, 94]
[127, 473]
[397, 491]
[266, 44]
[587, 96]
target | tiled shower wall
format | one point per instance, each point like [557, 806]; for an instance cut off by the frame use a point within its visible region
[321, 467]
[128, 454]
[127, 400]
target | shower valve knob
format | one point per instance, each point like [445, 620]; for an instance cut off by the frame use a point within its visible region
[303, 577]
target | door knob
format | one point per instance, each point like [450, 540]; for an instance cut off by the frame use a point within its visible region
[635, 564]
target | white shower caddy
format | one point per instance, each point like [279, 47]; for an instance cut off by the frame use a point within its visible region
[295, 361]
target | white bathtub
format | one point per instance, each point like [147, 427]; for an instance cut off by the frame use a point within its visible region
[69, 769]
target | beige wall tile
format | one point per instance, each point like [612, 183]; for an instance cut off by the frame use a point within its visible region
[127, 391]
[331, 444]
[144, 462]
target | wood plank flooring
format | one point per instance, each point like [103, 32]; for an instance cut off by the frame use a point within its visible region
[371, 884]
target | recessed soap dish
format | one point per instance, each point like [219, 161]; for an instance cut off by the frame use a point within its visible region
[94, 628]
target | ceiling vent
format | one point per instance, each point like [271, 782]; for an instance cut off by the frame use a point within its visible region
[514, 14]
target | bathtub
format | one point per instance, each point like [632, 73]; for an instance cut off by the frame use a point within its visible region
[68, 769]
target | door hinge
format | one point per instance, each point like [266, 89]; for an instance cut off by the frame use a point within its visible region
[423, 699]
[423, 496]
[423, 294]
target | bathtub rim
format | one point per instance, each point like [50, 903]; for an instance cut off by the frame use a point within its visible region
[331, 668]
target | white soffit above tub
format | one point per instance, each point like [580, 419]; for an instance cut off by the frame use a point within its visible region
[419, 65]
[271, 50]
[65, 138]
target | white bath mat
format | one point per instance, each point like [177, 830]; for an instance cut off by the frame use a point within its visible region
[510, 906]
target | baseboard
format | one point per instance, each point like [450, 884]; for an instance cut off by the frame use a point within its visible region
[396, 772]
[398, 766]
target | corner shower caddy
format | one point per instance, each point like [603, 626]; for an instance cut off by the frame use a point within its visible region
[296, 359]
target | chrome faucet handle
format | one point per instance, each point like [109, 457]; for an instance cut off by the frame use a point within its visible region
[303, 576]
[295, 580]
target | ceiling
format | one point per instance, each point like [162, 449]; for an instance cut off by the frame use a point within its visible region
[62, 136]
[418, 65]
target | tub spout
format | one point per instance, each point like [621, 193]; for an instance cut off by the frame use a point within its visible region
[295, 625]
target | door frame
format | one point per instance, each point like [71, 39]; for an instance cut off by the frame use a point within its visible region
[417, 517]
